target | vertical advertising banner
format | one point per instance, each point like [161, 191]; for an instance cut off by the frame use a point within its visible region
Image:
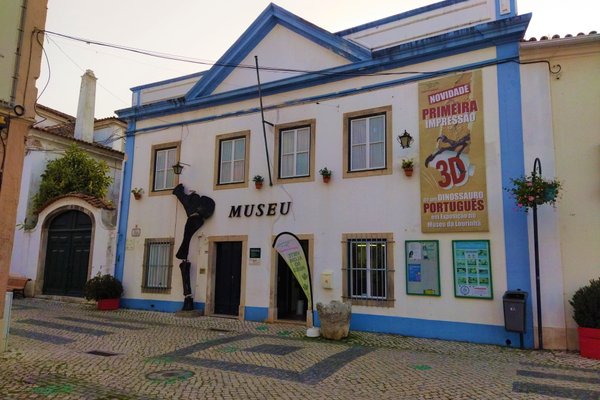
[290, 249]
[452, 154]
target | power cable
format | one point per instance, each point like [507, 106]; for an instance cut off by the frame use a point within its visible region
[174, 57]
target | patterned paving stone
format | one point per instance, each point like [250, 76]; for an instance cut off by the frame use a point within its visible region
[105, 323]
[274, 349]
[231, 359]
[43, 337]
[64, 327]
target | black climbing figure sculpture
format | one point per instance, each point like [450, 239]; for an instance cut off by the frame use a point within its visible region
[198, 209]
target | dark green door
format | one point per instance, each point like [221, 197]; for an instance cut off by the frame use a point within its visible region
[67, 254]
[228, 278]
[291, 300]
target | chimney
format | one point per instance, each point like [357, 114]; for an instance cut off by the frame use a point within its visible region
[84, 125]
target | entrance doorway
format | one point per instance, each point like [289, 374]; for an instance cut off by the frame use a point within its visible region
[67, 254]
[291, 300]
[228, 278]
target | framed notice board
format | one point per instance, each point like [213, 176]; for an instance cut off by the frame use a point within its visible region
[472, 269]
[422, 267]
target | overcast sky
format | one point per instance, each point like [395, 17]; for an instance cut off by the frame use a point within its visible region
[204, 30]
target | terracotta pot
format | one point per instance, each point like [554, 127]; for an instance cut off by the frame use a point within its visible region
[137, 196]
[108, 304]
[326, 178]
[589, 342]
[408, 171]
[258, 185]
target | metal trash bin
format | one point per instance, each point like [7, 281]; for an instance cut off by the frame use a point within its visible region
[515, 303]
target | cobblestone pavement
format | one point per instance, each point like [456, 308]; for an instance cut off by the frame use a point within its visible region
[72, 351]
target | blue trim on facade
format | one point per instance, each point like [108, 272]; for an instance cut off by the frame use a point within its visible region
[508, 30]
[167, 81]
[125, 201]
[431, 329]
[157, 305]
[516, 240]
[271, 16]
[397, 17]
[259, 314]
[328, 96]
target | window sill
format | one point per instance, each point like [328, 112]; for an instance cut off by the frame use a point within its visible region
[156, 290]
[370, 302]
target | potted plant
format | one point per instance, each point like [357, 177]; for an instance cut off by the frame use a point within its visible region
[258, 181]
[105, 289]
[137, 193]
[586, 312]
[407, 165]
[326, 174]
[532, 190]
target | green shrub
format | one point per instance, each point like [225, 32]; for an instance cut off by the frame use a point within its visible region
[586, 305]
[75, 172]
[103, 287]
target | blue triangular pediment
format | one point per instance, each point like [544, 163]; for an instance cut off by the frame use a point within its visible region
[265, 22]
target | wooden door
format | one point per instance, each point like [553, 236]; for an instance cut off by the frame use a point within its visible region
[228, 278]
[67, 254]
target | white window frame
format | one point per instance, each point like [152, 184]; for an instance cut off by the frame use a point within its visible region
[368, 143]
[168, 169]
[230, 180]
[295, 152]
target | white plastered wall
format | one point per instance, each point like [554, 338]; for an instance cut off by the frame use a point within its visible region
[567, 124]
[375, 204]
[32, 252]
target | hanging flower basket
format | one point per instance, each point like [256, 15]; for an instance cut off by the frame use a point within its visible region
[529, 191]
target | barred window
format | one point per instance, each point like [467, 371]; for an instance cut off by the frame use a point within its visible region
[369, 269]
[158, 265]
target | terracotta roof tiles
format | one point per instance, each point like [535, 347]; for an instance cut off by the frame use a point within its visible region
[91, 200]
[554, 37]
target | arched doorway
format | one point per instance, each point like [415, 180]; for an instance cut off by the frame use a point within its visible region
[67, 254]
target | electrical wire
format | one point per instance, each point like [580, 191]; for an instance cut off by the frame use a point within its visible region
[37, 37]
[174, 57]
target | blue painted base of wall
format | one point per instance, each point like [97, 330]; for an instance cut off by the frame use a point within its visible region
[157, 305]
[259, 314]
[445, 330]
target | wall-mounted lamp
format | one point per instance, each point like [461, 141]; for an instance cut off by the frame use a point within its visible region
[177, 168]
[405, 139]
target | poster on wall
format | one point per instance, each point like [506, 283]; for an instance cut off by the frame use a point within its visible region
[452, 154]
[472, 268]
[422, 267]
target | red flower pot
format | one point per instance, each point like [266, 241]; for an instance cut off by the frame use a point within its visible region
[108, 304]
[408, 171]
[589, 342]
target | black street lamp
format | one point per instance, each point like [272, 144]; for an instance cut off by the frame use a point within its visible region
[178, 168]
[405, 139]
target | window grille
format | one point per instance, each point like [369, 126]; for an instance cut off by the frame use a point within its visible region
[368, 269]
[158, 265]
